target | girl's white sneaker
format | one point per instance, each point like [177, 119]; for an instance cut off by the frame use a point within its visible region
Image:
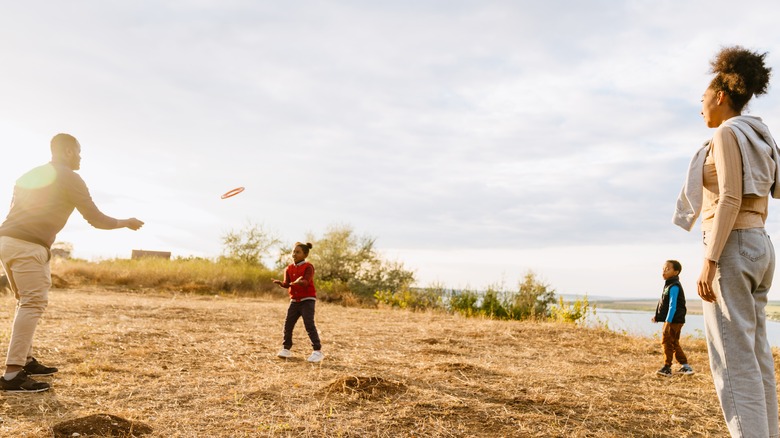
[285, 353]
[316, 356]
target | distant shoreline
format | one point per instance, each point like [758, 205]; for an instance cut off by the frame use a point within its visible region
[694, 306]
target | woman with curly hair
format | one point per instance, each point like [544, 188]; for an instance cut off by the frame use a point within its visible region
[729, 183]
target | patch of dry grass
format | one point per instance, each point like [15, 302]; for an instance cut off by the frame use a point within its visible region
[205, 366]
[191, 275]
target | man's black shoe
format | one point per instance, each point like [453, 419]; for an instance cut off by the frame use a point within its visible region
[22, 383]
[36, 369]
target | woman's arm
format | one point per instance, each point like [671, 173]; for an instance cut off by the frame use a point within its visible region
[728, 165]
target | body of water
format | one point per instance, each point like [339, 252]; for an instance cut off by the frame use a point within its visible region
[638, 323]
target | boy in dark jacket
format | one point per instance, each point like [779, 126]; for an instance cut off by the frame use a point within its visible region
[671, 311]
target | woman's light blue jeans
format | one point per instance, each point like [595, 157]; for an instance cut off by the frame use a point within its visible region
[735, 328]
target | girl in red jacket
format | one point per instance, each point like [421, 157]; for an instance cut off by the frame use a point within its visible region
[299, 282]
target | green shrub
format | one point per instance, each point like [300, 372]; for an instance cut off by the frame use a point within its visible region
[573, 312]
[414, 299]
[531, 300]
[464, 302]
[493, 305]
[334, 291]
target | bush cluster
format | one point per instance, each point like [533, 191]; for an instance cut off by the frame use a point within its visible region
[533, 299]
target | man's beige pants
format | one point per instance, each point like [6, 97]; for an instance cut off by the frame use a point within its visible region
[29, 275]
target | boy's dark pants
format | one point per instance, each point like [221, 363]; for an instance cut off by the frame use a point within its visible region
[296, 310]
[671, 342]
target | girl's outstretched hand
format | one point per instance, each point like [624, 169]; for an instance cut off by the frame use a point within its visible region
[704, 285]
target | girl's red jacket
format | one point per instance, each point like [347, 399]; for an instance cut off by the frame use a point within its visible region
[300, 291]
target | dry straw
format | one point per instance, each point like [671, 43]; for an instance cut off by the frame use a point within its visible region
[204, 366]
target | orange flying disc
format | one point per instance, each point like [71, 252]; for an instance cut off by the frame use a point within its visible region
[232, 193]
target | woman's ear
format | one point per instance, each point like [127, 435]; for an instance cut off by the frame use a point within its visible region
[719, 97]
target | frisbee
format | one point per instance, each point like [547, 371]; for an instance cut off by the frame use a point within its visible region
[231, 193]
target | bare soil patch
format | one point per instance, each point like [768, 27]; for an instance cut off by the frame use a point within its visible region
[102, 425]
[205, 366]
[369, 387]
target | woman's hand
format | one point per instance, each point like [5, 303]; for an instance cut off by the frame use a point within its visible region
[704, 285]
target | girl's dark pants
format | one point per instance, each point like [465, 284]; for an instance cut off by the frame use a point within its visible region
[296, 310]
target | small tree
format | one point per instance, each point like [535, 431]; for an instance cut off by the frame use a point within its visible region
[341, 255]
[493, 306]
[381, 275]
[248, 245]
[533, 298]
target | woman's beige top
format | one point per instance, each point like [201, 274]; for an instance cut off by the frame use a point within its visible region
[724, 208]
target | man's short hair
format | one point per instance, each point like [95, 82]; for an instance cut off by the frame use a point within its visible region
[675, 265]
[62, 142]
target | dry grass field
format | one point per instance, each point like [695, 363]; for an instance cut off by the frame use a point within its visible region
[205, 366]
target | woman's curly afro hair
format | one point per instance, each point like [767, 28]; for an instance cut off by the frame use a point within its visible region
[740, 73]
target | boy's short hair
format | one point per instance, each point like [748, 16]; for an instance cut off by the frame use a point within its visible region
[675, 265]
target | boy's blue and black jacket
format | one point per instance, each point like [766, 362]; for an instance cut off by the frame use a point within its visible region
[671, 306]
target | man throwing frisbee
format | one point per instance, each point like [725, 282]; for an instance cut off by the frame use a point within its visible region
[43, 200]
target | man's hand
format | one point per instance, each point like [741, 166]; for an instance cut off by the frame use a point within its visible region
[132, 223]
[704, 285]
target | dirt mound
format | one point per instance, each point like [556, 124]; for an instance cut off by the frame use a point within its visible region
[100, 425]
[366, 386]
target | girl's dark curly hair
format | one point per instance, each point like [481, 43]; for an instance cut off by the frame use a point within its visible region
[305, 247]
[740, 73]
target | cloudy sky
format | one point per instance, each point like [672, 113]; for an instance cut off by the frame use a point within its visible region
[474, 139]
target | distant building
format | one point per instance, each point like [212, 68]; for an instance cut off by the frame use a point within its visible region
[60, 252]
[140, 253]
